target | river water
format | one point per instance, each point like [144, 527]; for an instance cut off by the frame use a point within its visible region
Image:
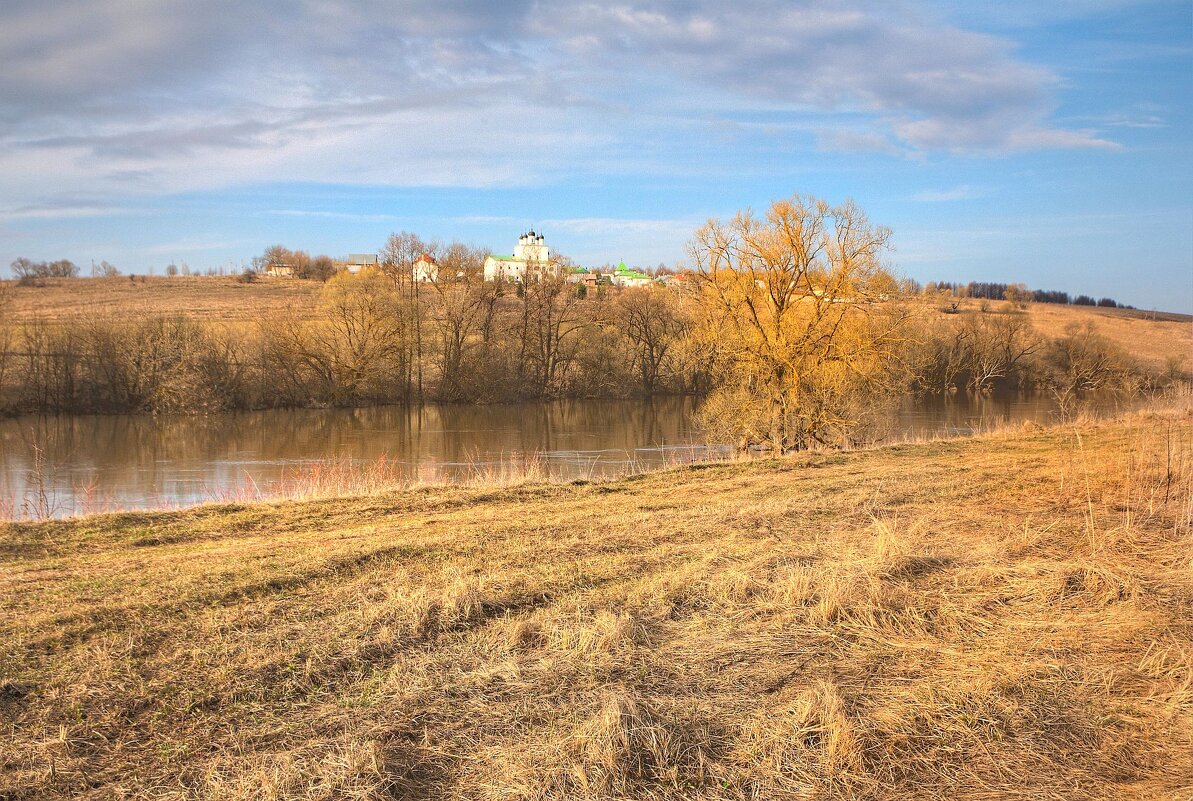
[67, 465]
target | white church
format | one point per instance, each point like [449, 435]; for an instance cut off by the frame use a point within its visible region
[531, 260]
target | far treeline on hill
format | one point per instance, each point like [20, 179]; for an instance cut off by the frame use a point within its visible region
[1018, 293]
[301, 265]
[786, 323]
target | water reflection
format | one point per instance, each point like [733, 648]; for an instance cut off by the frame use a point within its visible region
[76, 464]
[964, 414]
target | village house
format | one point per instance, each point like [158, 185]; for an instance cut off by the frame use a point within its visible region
[626, 277]
[359, 261]
[582, 276]
[531, 260]
[425, 269]
[684, 282]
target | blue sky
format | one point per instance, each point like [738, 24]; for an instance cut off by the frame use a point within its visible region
[1048, 145]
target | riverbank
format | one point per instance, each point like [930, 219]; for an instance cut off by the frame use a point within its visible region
[205, 345]
[1003, 616]
[63, 466]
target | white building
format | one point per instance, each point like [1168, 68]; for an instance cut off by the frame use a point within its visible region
[426, 269]
[531, 259]
[360, 261]
[627, 278]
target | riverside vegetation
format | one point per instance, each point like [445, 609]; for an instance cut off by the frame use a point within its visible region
[999, 617]
[791, 311]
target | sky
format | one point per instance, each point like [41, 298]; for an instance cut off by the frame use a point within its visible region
[1048, 143]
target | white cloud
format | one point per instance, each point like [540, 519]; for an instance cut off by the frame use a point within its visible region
[1059, 140]
[140, 96]
[65, 208]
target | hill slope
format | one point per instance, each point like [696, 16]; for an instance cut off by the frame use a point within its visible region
[211, 298]
[1002, 617]
[1151, 337]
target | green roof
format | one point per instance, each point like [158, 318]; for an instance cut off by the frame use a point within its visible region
[578, 270]
[626, 272]
[495, 257]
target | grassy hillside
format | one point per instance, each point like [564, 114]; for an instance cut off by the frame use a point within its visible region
[212, 298]
[1150, 337]
[1000, 617]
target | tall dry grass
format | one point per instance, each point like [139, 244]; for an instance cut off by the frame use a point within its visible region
[999, 617]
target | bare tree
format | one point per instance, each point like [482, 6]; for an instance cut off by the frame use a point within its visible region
[320, 268]
[26, 270]
[465, 306]
[997, 345]
[553, 318]
[354, 351]
[6, 337]
[1019, 295]
[940, 356]
[104, 270]
[1084, 361]
[401, 251]
[653, 321]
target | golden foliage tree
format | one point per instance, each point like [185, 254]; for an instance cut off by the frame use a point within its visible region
[801, 325]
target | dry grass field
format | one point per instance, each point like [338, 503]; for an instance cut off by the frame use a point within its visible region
[225, 299]
[1152, 338]
[211, 298]
[1002, 617]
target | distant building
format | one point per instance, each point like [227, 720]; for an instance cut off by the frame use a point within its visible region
[682, 281]
[280, 271]
[627, 278]
[530, 260]
[583, 277]
[426, 269]
[359, 261]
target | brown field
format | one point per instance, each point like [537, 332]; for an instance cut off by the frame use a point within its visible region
[1004, 617]
[225, 299]
[218, 299]
[1151, 337]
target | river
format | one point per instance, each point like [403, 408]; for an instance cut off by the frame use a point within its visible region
[67, 465]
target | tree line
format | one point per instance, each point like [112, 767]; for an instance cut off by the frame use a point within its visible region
[992, 290]
[788, 325]
[374, 337]
[322, 267]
